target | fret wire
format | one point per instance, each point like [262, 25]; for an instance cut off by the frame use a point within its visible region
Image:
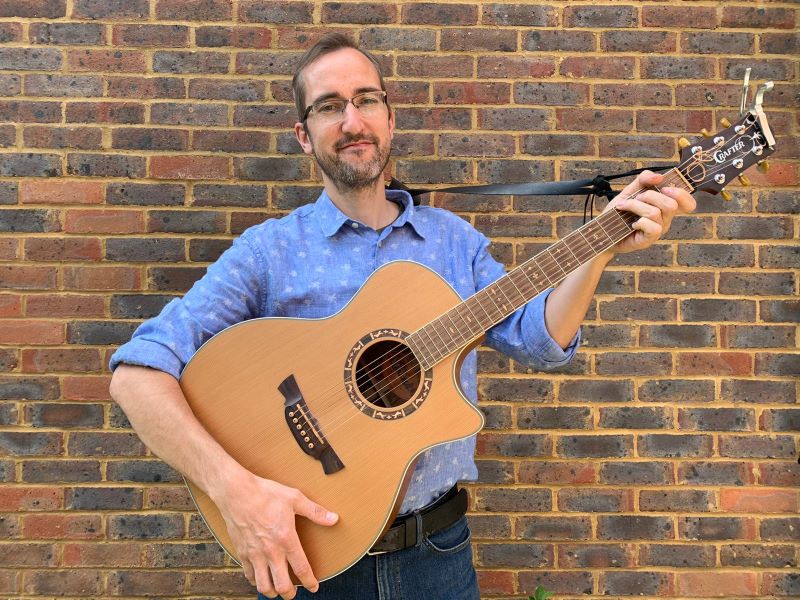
[547, 256]
[421, 331]
[486, 312]
[599, 222]
[436, 331]
[487, 294]
[417, 335]
[498, 286]
[521, 295]
[411, 342]
[456, 328]
[591, 248]
[536, 264]
[465, 304]
[466, 320]
[436, 350]
[595, 228]
[516, 273]
[550, 251]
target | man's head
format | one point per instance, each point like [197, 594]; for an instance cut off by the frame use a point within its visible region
[327, 44]
[345, 121]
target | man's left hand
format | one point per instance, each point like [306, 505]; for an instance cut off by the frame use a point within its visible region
[656, 207]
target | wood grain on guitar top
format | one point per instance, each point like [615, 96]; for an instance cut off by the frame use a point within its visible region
[232, 384]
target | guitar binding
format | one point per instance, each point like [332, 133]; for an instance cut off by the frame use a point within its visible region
[383, 378]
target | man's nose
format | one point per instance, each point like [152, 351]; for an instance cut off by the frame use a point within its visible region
[352, 119]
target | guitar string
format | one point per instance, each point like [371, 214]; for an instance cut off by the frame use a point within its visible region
[574, 233]
[403, 349]
[377, 363]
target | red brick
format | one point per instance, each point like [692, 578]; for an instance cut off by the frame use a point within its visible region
[55, 526]
[471, 93]
[105, 555]
[103, 221]
[82, 583]
[496, 582]
[8, 249]
[29, 331]
[759, 500]
[60, 359]
[758, 17]
[63, 249]
[102, 278]
[24, 499]
[697, 17]
[64, 306]
[515, 67]
[606, 67]
[548, 472]
[711, 584]
[86, 387]
[189, 167]
[718, 363]
[194, 10]
[115, 61]
[30, 278]
[10, 305]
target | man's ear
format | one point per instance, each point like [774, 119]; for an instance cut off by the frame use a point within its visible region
[391, 123]
[302, 136]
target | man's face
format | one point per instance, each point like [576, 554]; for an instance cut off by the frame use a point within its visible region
[352, 151]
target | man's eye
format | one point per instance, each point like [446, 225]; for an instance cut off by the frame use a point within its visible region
[329, 108]
[367, 101]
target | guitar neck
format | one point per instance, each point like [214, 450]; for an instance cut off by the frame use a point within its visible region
[469, 320]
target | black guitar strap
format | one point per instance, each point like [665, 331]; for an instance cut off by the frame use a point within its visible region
[599, 186]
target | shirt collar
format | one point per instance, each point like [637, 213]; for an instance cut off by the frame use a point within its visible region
[331, 219]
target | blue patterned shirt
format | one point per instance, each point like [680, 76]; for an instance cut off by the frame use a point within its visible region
[310, 264]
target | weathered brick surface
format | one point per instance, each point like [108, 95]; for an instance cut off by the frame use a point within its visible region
[139, 137]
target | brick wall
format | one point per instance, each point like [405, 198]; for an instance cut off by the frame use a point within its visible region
[138, 137]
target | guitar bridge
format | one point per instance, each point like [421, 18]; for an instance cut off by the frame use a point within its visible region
[305, 428]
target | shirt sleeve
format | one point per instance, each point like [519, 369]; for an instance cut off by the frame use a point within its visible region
[522, 335]
[231, 291]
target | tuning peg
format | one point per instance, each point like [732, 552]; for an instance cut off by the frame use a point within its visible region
[683, 143]
[705, 132]
[725, 196]
[724, 122]
[744, 180]
[763, 166]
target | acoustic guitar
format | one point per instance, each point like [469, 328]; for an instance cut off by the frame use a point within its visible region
[341, 407]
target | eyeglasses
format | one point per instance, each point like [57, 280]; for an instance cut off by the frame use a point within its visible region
[332, 110]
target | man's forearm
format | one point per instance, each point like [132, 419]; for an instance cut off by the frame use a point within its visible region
[567, 304]
[154, 404]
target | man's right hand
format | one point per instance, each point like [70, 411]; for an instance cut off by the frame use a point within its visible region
[260, 517]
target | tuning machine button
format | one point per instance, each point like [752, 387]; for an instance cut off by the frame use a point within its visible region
[763, 166]
[683, 143]
[744, 180]
[724, 122]
[726, 196]
[705, 132]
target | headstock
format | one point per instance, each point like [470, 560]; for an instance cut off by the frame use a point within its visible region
[711, 163]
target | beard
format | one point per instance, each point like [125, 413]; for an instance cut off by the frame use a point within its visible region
[353, 176]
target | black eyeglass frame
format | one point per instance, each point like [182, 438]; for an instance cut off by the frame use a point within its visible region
[384, 97]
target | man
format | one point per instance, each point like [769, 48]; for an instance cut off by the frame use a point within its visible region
[309, 264]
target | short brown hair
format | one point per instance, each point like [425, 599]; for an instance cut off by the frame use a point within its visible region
[329, 43]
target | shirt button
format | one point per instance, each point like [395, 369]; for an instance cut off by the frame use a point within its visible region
[354, 225]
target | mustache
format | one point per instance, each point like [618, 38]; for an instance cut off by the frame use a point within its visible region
[352, 139]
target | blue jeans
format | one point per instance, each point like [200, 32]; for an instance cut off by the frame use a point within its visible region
[439, 568]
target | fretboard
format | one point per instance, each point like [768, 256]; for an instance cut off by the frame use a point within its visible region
[470, 319]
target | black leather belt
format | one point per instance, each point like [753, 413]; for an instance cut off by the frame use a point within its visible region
[432, 518]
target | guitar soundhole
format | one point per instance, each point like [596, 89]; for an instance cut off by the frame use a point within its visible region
[387, 374]
[383, 378]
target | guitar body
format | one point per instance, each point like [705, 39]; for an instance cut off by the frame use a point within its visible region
[243, 383]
